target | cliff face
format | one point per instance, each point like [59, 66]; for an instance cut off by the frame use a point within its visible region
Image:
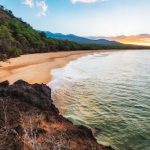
[30, 121]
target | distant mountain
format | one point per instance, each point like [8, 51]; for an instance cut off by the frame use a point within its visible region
[78, 39]
[141, 39]
[101, 37]
[18, 37]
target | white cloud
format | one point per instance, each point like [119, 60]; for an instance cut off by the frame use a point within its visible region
[42, 4]
[86, 1]
[37, 4]
[29, 3]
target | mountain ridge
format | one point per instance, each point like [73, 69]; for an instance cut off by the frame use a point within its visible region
[80, 39]
[18, 37]
[139, 39]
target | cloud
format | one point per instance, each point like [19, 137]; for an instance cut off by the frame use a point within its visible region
[44, 7]
[29, 3]
[37, 4]
[86, 1]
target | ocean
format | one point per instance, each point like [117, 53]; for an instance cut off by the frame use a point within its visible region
[110, 93]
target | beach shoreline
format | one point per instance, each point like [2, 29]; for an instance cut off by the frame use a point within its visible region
[36, 68]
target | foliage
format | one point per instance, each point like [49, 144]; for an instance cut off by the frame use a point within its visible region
[17, 37]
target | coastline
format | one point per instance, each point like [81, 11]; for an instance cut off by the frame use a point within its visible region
[36, 68]
[34, 122]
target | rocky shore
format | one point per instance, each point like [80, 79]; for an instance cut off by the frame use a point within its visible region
[30, 121]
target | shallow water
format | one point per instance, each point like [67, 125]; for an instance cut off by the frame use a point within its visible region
[110, 93]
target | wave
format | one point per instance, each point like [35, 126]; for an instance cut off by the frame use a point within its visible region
[109, 92]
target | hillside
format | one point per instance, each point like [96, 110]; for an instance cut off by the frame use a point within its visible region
[18, 37]
[78, 39]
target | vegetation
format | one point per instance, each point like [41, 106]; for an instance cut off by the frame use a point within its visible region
[17, 37]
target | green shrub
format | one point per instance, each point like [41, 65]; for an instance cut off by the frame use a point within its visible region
[16, 52]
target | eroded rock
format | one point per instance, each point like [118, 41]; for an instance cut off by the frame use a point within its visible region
[29, 120]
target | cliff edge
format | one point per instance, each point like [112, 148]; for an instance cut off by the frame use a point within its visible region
[30, 121]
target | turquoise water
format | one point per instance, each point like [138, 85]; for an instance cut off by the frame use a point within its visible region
[110, 93]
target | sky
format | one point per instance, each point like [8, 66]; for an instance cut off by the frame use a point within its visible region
[84, 17]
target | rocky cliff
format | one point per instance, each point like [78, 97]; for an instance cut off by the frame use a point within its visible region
[30, 121]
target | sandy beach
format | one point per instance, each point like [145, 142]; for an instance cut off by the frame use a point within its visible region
[36, 68]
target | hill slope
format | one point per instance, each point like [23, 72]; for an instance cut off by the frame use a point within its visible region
[17, 37]
[79, 39]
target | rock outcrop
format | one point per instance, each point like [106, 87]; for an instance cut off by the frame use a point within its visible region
[30, 121]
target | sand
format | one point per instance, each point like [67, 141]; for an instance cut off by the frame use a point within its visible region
[36, 68]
